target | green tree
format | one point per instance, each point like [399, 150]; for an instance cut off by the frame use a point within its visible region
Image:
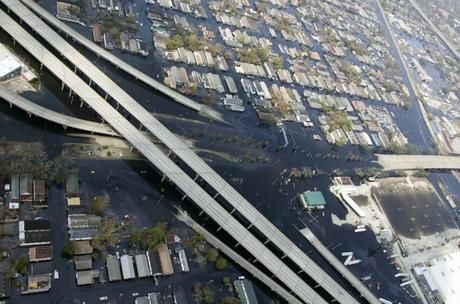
[229, 300]
[99, 204]
[69, 249]
[106, 235]
[152, 236]
[277, 62]
[221, 263]
[197, 293]
[21, 265]
[225, 280]
[208, 295]
[135, 239]
[212, 254]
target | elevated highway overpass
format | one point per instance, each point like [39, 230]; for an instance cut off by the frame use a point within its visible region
[64, 120]
[122, 65]
[418, 162]
[166, 166]
[199, 167]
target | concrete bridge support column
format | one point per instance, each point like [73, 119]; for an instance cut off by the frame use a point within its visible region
[215, 195]
[163, 178]
[201, 213]
[62, 86]
[183, 197]
[81, 104]
[90, 82]
[131, 148]
[218, 229]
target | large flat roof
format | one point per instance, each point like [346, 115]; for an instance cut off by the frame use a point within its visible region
[444, 272]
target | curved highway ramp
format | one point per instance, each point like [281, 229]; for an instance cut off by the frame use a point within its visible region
[122, 65]
[177, 146]
[166, 166]
[56, 117]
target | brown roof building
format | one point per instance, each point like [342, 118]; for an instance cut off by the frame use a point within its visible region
[39, 191]
[97, 34]
[83, 247]
[165, 259]
[40, 253]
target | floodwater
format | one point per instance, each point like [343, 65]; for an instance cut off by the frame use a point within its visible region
[260, 182]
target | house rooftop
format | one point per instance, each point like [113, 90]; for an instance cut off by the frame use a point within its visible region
[313, 199]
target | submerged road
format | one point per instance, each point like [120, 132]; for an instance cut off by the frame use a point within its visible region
[228, 251]
[412, 86]
[163, 163]
[435, 29]
[122, 65]
[64, 120]
[344, 271]
[177, 146]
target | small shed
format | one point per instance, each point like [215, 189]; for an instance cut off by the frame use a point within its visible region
[312, 200]
[40, 253]
[183, 261]
[113, 268]
[39, 191]
[165, 259]
[15, 188]
[127, 267]
[83, 262]
[25, 187]
[154, 262]
[84, 277]
[142, 266]
[83, 247]
[72, 186]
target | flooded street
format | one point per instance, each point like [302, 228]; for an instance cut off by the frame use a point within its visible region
[259, 174]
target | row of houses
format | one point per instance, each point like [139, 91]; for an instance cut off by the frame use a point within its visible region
[116, 6]
[25, 189]
[200, 58]
[152, 263]
[36, 234]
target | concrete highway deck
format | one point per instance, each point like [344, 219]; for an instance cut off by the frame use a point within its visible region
[347, 274]
[53, 116]
[162, 162]
[126, 67]
[201, 168]
[228, 251]
[415, 162]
